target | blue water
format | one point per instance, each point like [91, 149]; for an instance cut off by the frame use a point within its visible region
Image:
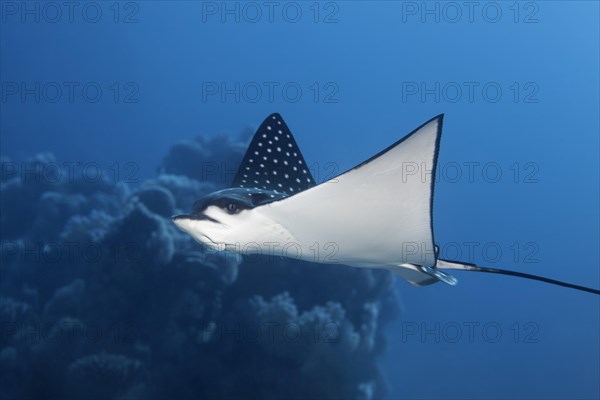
[519, 157]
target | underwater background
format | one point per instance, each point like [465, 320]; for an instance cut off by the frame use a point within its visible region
[117, 115]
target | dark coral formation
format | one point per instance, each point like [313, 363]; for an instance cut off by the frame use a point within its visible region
[103, 298]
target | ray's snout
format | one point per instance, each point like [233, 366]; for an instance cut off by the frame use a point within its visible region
[181, 221]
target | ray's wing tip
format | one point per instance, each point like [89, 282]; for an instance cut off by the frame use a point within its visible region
[438, 120]
[274, 115]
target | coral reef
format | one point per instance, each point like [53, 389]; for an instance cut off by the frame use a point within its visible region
[103, 298]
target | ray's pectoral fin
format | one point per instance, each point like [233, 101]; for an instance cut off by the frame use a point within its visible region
[441, 276]
[422, 275]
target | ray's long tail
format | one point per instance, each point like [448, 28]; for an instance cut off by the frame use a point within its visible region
[446, 264]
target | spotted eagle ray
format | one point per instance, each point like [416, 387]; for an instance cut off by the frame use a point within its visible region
[375, 215]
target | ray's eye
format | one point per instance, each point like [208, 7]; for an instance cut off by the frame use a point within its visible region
[232, 208]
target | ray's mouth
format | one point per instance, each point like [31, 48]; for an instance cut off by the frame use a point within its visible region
[179, 221]
[207, 241]
[195, 217]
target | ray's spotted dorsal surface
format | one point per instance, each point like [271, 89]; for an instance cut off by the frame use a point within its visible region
[273, 161]
[374, 215]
